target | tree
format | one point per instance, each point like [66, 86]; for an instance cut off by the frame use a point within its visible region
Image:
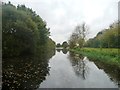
[107, 38]
[78, 37]
[24, 32]
[64, 44]
[58, 45]
[73, 40]
[82, 31]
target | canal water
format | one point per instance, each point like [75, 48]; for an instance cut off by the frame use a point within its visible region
[58, 69]
[69, 70]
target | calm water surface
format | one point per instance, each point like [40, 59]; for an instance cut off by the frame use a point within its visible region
[60, 69]
[68, 70]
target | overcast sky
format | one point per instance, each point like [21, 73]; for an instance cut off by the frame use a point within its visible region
[63, 15]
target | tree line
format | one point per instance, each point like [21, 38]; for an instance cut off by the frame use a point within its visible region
[107, 38]
[23, 31]
[64, 44]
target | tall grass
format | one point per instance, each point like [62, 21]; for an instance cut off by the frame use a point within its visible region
[106, 55]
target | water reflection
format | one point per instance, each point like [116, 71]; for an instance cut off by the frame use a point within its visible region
[25, 73]
[67, 71]
[64, 51]
[58, 50]
[79, 64]
[75, 71]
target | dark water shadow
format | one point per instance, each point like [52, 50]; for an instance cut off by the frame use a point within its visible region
[25, 73]
[112, 71]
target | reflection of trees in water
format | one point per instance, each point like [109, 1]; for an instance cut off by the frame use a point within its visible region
[25, 73]
[64, 51]
[111, 70]
[79, 64]
[58, 50]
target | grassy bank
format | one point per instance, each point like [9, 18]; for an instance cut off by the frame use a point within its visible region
[105, 55]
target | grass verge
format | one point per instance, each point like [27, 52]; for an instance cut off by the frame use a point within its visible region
[105, 55]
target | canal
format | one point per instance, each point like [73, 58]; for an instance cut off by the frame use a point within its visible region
[69, 70]
[58, 69]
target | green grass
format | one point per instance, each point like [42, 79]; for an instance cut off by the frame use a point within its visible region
[107, 55]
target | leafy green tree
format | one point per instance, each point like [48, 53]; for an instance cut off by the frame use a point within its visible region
[58, 45]
[107, 38]
[73, 40]
[65, 44]
[78, 36]
[23, 31]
